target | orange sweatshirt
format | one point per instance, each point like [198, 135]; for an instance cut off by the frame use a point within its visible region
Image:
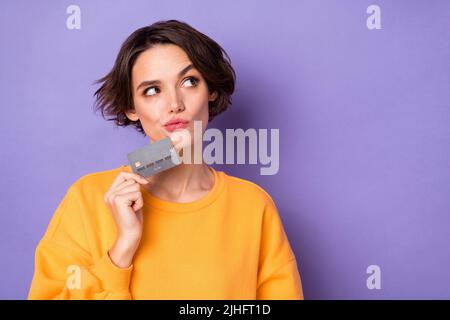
[230, 244]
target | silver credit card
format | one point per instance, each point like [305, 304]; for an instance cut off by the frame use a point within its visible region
[153, 158]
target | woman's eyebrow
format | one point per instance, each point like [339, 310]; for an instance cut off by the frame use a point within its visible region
[150, 82]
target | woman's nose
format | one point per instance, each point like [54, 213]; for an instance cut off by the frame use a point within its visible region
[176, 105]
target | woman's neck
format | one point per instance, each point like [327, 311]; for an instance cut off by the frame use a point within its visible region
[182, 183]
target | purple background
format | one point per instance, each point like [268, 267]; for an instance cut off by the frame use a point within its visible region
[363, 115]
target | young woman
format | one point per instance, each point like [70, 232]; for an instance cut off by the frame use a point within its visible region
[189, 232]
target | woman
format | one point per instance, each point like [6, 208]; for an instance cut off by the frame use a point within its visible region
[189, 232]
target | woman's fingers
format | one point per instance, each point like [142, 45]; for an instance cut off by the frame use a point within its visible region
[125, 184]
[133, 188]
[123, 177]
[138, 204]
[124, 199]
[128, 198]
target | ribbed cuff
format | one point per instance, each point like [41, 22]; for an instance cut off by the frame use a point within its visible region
[113, 278]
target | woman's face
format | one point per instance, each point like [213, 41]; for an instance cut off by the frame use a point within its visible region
[165, 86]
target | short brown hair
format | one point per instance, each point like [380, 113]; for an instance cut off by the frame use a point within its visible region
[114, 97]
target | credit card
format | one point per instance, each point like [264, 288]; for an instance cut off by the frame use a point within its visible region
[153, 158]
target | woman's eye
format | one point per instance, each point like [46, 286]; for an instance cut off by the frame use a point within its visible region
[151, 91]
[191, 80]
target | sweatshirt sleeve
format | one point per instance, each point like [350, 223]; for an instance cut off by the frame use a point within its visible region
[64, 266]
[278, 276]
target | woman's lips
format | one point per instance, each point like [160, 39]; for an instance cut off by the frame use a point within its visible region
[174, 126]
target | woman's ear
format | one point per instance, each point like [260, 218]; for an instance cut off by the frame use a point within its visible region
[132, 115]
[213, 96]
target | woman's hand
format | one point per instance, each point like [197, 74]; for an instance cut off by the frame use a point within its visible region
[124, 199]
